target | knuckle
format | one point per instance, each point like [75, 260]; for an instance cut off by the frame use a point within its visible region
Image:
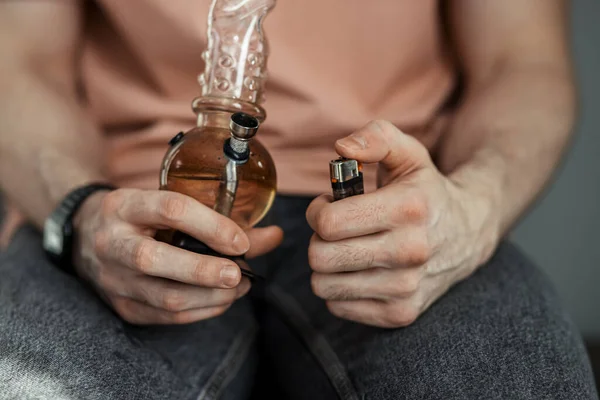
[316, 286]
[101, 242]
[316, 258]
[223, 230]
[181, 317]
[201, 270]
[228, 297]
[416, 252]
[218, 311]
[411, 284]
[419, 253]
[173, 300]
[111, 202]
[172, 207]
[327, 224]
[413, 209]
[122, 307]
[188, 317]
[144, 255]
[418, 256]
[129, 318]
[400, 316]
[334, 308]
[407, 286]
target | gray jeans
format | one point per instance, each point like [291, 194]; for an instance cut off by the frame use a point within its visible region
[501, 334]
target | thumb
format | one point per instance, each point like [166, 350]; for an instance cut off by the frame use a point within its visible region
[382, 142]
[263, 240]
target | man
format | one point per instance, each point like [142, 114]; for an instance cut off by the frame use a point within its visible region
[404, 292]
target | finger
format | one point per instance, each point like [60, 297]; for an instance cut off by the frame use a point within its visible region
[150, 257]
[376, 284]
[164, 209]
[175, 296]
[400, 249]
[370, 213]
[381, 141]
[376, 313]
[315, 208]
[138, 313]
[347, 255]
[352, 217]
[263, 240]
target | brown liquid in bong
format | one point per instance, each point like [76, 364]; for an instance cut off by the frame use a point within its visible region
[252, 200]
[199, 170]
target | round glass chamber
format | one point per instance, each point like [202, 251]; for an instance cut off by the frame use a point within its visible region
[196, 165]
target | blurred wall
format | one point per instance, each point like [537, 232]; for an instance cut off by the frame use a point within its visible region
[562, 234]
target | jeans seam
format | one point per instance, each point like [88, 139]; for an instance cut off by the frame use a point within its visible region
[316, 343]
[230, 365]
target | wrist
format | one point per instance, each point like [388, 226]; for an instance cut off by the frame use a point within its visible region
[59, 229]
[82, 224]
[481, 210]
[89, 206]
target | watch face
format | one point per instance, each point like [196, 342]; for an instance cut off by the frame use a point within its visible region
[53, 237]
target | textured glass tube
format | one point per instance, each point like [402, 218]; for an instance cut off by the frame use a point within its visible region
[198, 163]
[236, 57]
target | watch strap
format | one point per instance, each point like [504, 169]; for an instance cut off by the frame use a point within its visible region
[58, 228]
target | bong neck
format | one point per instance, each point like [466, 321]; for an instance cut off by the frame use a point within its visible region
[236, 61]
[217, 111]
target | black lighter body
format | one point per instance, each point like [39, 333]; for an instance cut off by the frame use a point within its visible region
[346, 178]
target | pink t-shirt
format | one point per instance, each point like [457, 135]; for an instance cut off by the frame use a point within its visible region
[334, 65]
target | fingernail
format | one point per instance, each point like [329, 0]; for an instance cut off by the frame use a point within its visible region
[240, 244]
[230, 275]
[353, 142]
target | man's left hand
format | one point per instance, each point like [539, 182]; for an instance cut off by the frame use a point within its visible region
[383, 258]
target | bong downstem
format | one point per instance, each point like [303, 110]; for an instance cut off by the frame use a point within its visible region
[243, 127]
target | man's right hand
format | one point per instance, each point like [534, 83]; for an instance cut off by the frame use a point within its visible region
[150, 282]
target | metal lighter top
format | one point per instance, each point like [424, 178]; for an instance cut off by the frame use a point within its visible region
[346, 178]
[343, 169]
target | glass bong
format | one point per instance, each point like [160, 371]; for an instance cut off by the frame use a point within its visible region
[219, 162]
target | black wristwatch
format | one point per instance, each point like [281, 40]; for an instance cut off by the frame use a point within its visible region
[58, 228]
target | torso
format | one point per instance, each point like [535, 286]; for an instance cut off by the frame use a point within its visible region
[334, 65]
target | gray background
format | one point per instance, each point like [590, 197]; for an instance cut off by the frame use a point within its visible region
[562, 234]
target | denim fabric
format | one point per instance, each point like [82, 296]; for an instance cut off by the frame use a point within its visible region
[501, 334]
[59, 341]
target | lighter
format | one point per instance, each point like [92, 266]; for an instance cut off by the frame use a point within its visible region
[346, 178]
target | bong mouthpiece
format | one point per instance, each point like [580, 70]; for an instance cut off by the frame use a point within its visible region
[243, 126]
